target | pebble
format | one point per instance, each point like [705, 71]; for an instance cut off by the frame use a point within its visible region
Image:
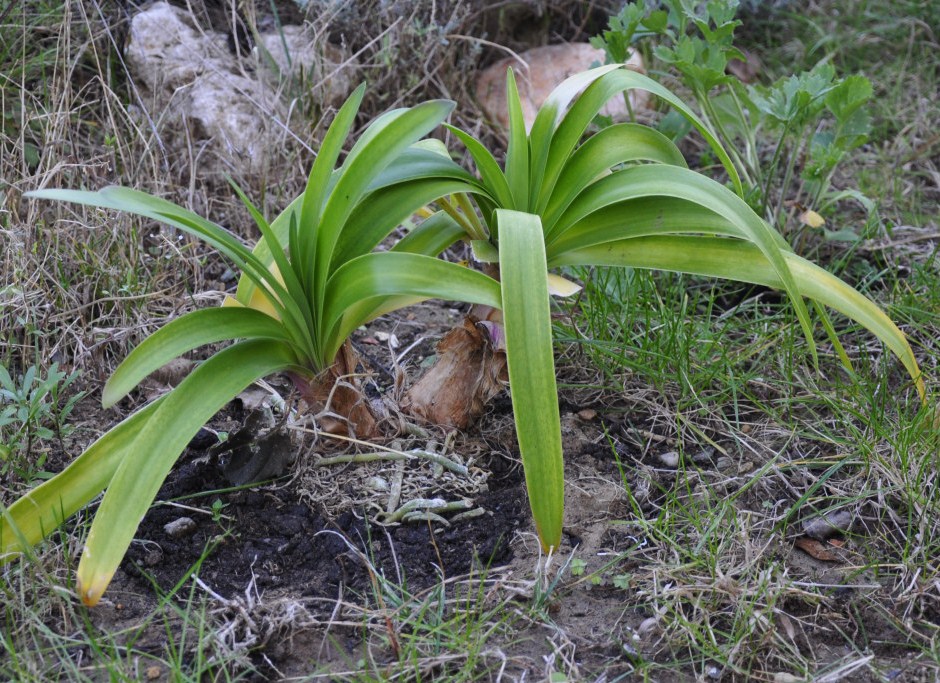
[669, 459]
[178, 528]
[376, 484]
[725, 465]
[825, 527]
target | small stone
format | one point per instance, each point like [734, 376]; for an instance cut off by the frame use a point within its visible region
[725, 465]
[153, 557]
[153, 673]
[825, 527]
[388, 337]
[179, 528]
[713, 672]
[587, 414]
[376, 484]
[669, 459]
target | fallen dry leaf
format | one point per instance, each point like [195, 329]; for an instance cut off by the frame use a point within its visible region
[815, 549]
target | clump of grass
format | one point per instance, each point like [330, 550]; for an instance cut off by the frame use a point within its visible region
[48, 635]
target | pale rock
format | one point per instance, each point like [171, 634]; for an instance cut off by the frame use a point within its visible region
[299, 53]
[233, 112]
[670, 459]
[538, 71]
[178, 528]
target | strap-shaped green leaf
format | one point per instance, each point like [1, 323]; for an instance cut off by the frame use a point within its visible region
[490, 173]
[569, 132]
[160, 440]
[517, 155]
[614, 145]
[639, 218]
[298, 319]
[318, 188]
[358, 287]
[280, 227]
[737, 260]
[41, 511]
[548, 116]
[433, 236]
[681, 183]
[384, 210]
[420, 162]
[527, 321]
[410, 165]
[155, 208]
[188, 332]
[364, 164]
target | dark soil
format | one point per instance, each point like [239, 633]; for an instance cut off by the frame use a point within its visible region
[268, 535]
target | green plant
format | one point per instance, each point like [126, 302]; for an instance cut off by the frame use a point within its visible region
[813, 114]
[310, 282]
[30, 411]
[562, 202]
[313, 278]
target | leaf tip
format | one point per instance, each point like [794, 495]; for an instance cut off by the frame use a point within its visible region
[91, 590]
[110, 394]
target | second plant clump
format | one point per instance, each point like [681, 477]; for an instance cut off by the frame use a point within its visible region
[622, 197]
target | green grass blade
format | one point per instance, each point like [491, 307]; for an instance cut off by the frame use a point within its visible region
[160, 440]
[42, 510]
[195, 329]
[737, 260]
[527, 321]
